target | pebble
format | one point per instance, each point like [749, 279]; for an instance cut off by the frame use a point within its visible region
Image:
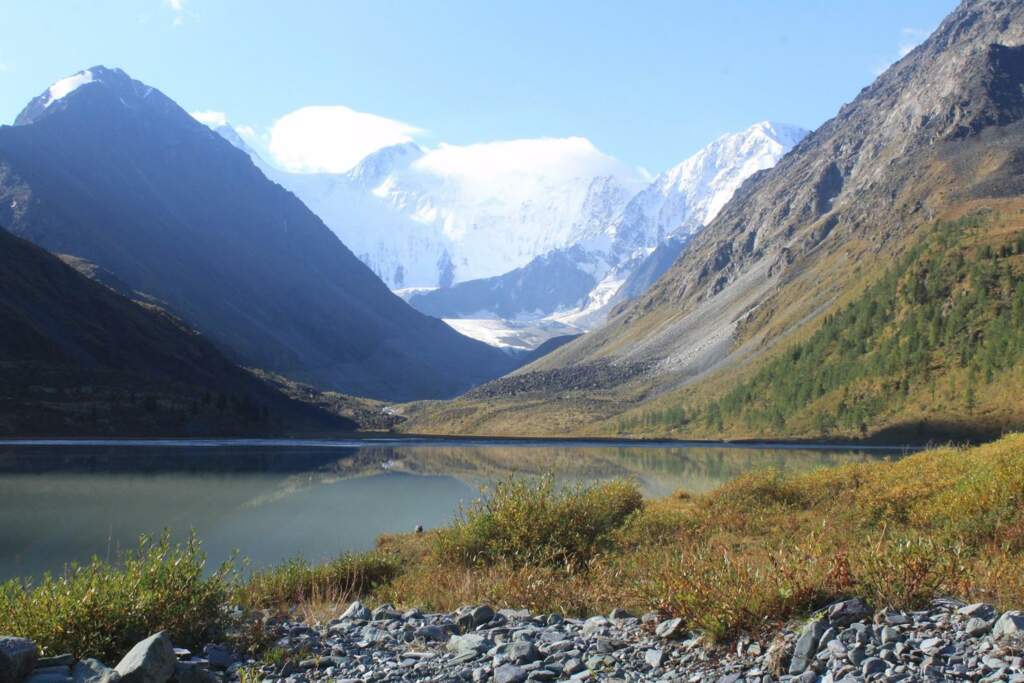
[845, 642]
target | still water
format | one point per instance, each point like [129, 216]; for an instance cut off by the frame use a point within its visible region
[273, 500]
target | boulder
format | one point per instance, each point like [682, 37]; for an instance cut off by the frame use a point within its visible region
[807, 646]
[1010, 626]
[848, 611]
[509, 673]
[670, 628]
[979, 610]
[471, 642]
[150, 661]
[356, 611]
[481, 615]
[17, 658]
[94, 671]
[654, 658]
[522, 652]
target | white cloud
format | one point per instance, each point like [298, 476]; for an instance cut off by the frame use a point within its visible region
[508, 163]
[247, 132]
[213, 119]
[332, 139]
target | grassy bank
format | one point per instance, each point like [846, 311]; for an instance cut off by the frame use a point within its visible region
[758, 551]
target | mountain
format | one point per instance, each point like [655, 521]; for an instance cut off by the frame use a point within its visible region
[578, 285]
[866, 284]
[434, 218]
[108, 169]
[79, 358]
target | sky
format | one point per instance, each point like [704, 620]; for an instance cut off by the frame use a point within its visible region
[318, 84]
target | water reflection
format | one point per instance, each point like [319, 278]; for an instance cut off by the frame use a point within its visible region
[62, 503]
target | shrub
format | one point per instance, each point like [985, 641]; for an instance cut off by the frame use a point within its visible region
[102, 609]
[533, 522]
[297, 581]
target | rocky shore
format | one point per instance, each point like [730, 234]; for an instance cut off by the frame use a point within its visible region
[847, 641]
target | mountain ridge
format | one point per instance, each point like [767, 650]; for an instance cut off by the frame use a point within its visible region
[116, 173]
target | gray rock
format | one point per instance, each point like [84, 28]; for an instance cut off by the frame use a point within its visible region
[573, 665]
[509, 673]
[654, 658]
[95, 671]
[50, 677]
[471, 642]
[482, 614]
[806, 646]
[58, 660]
[979, 610]
[17, 658]
[431, 632]
[522, 652]
[1009, 626]
[357, 611]
[150, 661]
[846, 612]
[219, 657]
[670, 628]
[191, 672]
[872, 666]
[977, 627]
[594, 625]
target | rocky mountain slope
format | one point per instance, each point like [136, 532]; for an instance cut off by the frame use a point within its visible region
[78, 358]
[108, 169]
[939, 135]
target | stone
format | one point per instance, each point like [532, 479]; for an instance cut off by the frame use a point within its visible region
[806, 646]
[977, 627]
[357, 611]
[654, 658]
[509, 673]
[594, 625]
[522, 652]
[191, 672]
[385, 613]
[670, 628]
[846, 612]
[17, 658]
[219, 656]
[979, 610]
[150, 661]
[573, 665]
[431, 632]
[94, 671]
[1010, 626]
[872, 666]
[482, 614]
[58, 660]
[471, 642]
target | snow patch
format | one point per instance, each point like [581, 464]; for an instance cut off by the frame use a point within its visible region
[66, 86]
[520, 335]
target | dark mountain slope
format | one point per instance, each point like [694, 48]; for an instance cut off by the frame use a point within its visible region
[549, 283]
[116, 173]
[77, 358]
[939, 135]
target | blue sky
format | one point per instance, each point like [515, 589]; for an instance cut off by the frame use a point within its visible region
[646, 82]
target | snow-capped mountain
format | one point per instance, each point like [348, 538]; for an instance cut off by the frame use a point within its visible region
[634, 246]
[686, 197]
[432, 218]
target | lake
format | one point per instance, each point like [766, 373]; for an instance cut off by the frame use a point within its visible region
[270, 500]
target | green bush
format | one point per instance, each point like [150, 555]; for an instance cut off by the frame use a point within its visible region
[102, 609]
[533, 522]
[297, 581]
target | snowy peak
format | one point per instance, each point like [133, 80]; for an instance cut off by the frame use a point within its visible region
[689, 195]
[372, 171]
[63, 92]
